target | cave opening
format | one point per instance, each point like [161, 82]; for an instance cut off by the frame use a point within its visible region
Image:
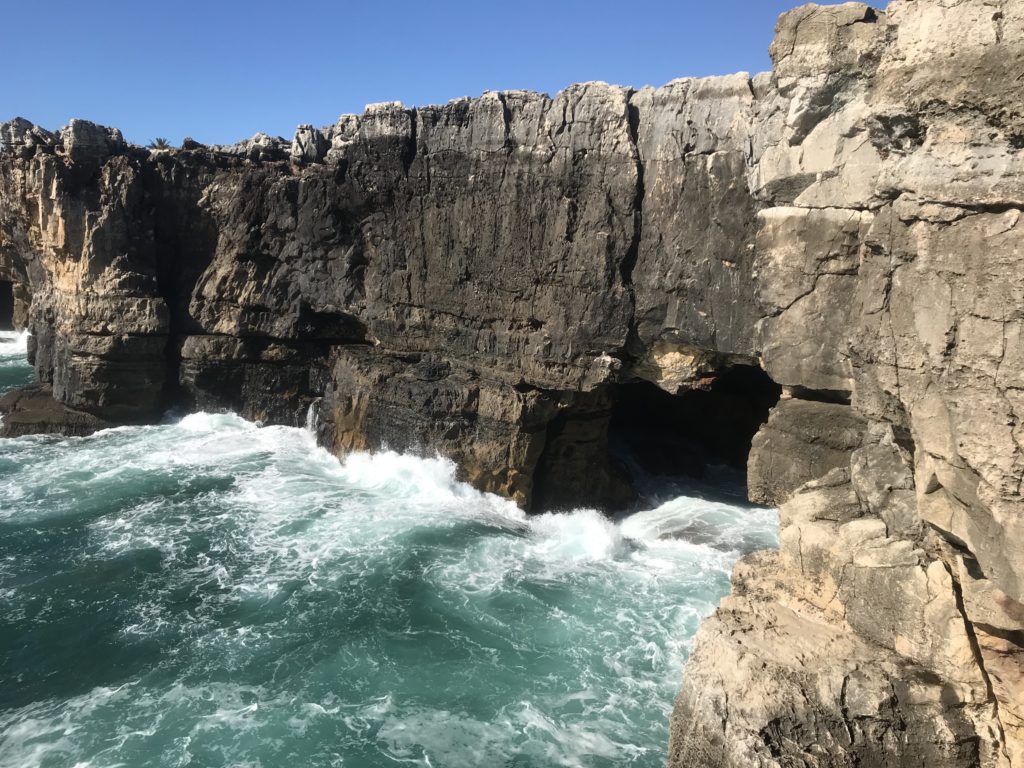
[6, 305]
[664, 435]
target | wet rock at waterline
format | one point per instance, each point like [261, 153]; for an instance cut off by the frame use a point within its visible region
[496, 279]
[31, 410]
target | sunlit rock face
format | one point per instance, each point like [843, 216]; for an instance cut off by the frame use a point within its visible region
[889, 629]
[493, 279]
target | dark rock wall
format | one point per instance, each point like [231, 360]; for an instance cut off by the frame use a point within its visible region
[455, 278]
[6, 305]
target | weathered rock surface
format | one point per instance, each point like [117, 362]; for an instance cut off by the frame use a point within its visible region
[518, 281]
[888, 257]
[32, 410]
[801, 440]
[490, 241]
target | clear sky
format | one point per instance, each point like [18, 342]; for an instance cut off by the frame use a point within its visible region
[222, 70]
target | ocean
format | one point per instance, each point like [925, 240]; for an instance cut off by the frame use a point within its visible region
[211, 592]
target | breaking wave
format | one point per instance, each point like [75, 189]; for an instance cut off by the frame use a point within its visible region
[211, 592]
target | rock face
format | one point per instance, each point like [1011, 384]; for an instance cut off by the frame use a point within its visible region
[455, 278]
[889, 629]
[522, 283]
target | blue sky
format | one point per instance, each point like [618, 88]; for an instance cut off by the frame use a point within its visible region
[221, 71]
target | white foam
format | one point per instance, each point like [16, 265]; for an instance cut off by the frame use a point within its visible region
[13, 343]
[581, 536]
[694, 520]
[215, 422]
[404, 475]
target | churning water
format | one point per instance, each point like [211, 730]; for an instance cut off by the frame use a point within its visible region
[211, 593]
[14, 370]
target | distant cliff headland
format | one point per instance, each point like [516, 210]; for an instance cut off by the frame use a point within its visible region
[817, 273]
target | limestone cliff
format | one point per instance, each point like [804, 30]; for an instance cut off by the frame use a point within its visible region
[889, 630]
[524, 283]
[455, 278]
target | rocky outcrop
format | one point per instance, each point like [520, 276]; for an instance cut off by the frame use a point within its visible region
[888, 259]
[33, 410]
[801, 441]
[524, 283]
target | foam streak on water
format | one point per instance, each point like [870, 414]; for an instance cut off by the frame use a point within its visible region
[207, 592]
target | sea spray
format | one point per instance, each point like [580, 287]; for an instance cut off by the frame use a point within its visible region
[313, 416]
[13, 344]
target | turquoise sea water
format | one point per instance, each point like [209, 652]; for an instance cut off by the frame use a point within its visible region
[14, 369]
[208, 592]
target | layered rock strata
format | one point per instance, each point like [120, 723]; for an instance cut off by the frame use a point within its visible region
[507, 280]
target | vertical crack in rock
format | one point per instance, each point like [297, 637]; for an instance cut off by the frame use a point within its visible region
[411, 145]
[958, 595]
[634, 347]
